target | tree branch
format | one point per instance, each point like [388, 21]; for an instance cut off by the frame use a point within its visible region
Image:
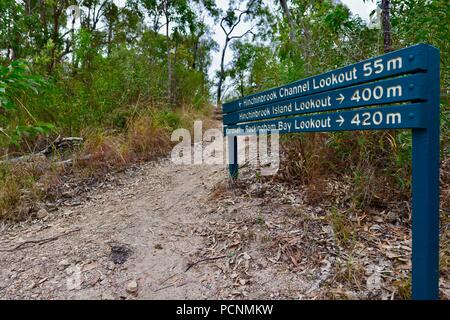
[242, 35]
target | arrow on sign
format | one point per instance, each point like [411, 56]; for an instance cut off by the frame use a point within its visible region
[340, 120]
[341, 98]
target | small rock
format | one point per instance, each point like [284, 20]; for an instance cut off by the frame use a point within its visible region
[90, 266]
[32, 285]
[132, 286]
[110, 265]
[64, 263]
[68, 194]
[41, 214]
[392, 216]
[107, 296]
[68, 212]
[93, 279]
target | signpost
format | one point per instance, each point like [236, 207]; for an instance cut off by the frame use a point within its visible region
[404, 87]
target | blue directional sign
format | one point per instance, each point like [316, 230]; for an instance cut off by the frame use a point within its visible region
[409, 60]
[381, 92]
[398, 90]
[396, 117]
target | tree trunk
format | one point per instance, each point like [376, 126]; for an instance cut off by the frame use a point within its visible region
[55, 37]
[73, 42]
[9, 46]
[222, 73]
[241, 84]
[110, 33]
[287, 14]
[386, 24]
[156, 23]
[43, 18]
[27, 8]
[195, 54]
[174, 75]
[94, 19]
[13, 54]
[169, 62]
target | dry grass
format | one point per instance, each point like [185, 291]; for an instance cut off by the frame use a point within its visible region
[219, 191]
[371, 164]
[403, 288]
[146, 140]
[343, 228]
[103, 150]
[146, 137]
[24, 185]
[445, 184]
[350, 272]
[352, 253]
[304, 158]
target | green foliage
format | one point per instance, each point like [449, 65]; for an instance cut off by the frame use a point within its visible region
[342, 227]
[168, 119]
[101, 74]
[16, 83]
[15, 80]
[253, 68]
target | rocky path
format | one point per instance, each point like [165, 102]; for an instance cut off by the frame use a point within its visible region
[132, 239]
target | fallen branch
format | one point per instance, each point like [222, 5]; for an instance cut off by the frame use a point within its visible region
[162, 288]
[39, 241]
[170, 277]
[171, 285]
[23, 158]
[59, 143]
[191, 264]
[71, 161]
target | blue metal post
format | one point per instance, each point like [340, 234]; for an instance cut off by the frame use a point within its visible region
[233, 157]
[425, 191]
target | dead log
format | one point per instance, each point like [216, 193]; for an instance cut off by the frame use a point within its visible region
[58, 144]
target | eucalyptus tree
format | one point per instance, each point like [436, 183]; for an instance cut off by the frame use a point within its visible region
[179, 20]
[231, 19]
[287, 14]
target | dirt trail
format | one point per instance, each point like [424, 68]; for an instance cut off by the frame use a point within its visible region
[135, 240]
[164, 231]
